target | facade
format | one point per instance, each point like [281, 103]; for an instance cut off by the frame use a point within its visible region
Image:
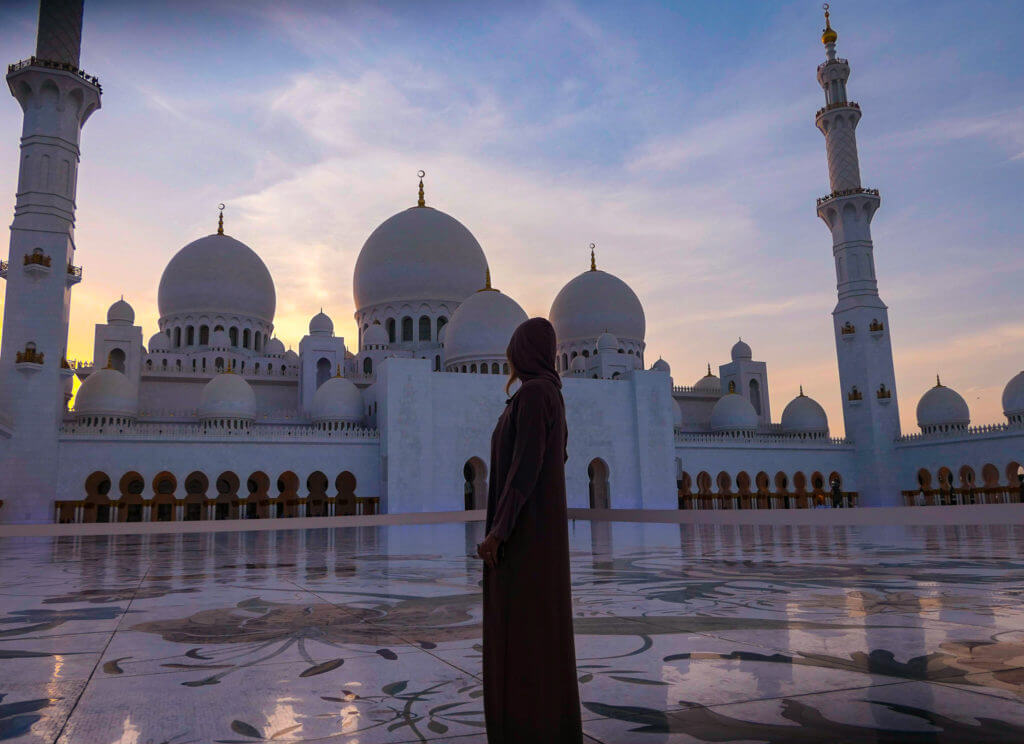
[211, 417]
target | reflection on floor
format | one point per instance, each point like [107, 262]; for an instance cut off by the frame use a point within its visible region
[684, 634]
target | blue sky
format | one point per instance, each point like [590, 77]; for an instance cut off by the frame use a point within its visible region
[679, 137]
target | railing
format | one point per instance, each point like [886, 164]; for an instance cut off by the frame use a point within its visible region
[846, 192]
[770, 437]
[970, 431]
[52, 65]
[694, 389]
[37, 259]
[962, 496]
[837, 105]
[3, 269]
[836, 61]
[194, 431]
[774, 500]
[75, 271]
[29, 356]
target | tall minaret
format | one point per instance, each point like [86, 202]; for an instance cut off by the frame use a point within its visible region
[35, 383]
[861, 319]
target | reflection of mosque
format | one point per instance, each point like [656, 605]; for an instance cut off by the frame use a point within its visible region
[213, 417]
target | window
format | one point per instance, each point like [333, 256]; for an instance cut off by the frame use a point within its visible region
[437, 363]
[441, 323]
[258, 341]
[190, 336]
[390, 324]
[204, 335]
[367, 366]
[177, 337]
[407, 328]
[116, 359]
[233, 335]
[246, 336]
[424, 328]
[495, 369]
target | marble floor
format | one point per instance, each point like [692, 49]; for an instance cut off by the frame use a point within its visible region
[684, 633]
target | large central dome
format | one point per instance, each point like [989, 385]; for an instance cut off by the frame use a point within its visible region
[217, 274]
[419, 254]
[595, 302]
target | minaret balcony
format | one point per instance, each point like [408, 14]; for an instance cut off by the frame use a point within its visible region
[52, 65]
[847, 192]
[836, 105]
[36, 263]
[28, 360]
[3, 269]
[74, 275]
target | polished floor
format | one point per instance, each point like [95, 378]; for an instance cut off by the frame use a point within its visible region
[684, 633]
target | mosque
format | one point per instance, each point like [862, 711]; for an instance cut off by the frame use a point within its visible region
[210, 417]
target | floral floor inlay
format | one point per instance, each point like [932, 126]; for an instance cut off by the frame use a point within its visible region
[360, 635]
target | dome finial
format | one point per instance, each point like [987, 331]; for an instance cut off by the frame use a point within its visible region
[938, 382]
[338, 373]
[487, 282]
[220, 220]
[593, 263]
[422, 202]
[801, 391]
[709, 370]
[828, 34]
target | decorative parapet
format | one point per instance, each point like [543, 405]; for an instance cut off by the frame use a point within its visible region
[4, 266]
[876, 326]
[172, 431]
[691, 389]
[29, 355]
[837, 105]
[759, 438]
[848, 329]
[74, 274]
[854, 394]
[847, 192]
[52, 65]
[971, 432]
[883, 393]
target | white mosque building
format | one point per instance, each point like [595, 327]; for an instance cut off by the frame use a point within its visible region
[209, 417]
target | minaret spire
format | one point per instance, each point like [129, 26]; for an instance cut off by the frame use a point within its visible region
[593, 263]
[220, 220]
[421, 202]
[60, 31]
[860, 318]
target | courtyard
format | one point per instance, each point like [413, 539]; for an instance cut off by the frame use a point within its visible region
[684, 633]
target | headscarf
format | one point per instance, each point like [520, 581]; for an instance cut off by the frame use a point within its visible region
[531, 350]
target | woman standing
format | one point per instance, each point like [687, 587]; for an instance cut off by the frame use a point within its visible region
[530, 690]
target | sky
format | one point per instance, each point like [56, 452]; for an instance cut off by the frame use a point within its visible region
[678, 137]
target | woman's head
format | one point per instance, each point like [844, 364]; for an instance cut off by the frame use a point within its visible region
[531, 352]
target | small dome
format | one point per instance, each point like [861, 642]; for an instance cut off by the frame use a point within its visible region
[740, 350]
[106, 392]
[219, 339]
[121, 313]
[607, 342]
[481, 327]
[804, 415]
[677, 414]
[338, 399]
[217, 274]
[375, 335]
[1013, 396]
[595, 302]
[709, 383]
[158, 342]
[291, 357]
[228, 396]
[418, 254]
[578, 364]
[274, 347]
[661, 366]
[942, 407]
[321, 325]
[733, 412]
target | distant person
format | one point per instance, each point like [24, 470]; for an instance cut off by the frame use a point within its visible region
[837, 495]
[530, 691]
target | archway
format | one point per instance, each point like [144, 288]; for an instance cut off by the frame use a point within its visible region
[288, 493]
[258, 486]
[227, 496]
[724, 482]
[116, 359]
[323, 371]
[316, 484]
[474, 473]
[600, 495]
[685, 486]
[164, 486]
[196, 485]
[346, 485]
[763, 484]
[97, 503]
[131, 485]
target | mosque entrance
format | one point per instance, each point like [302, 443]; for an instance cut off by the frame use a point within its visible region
[597, 472]
[474, 473]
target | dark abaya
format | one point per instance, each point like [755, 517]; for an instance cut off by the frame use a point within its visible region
[530, 689]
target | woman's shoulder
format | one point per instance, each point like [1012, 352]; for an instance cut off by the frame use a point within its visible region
[537, 390]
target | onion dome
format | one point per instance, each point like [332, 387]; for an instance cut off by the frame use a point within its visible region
[273, 347]
[291, 357]
[578, 365]
[677, 414]
[661, 366]
[219, 339]
[480, 327]
[159, 342]
[338, 400]
[106, 392]
[227, 396]
[1013, 399]
[321, 325]
[416, 255]
[734, 413]
[217, 274]
[741, 350]
[606, 342]
[121, 313]
[828, 34]
[709, 383]
[596, 302]
[941, 409]
[804, 416]
[375, 337]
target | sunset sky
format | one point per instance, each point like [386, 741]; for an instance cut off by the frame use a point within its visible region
[679, 137]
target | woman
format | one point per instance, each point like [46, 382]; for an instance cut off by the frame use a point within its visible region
[530, 690]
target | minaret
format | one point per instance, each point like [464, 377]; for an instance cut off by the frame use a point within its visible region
[860, 318]
[35, 382]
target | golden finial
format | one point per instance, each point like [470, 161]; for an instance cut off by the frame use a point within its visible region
[487, 282]
[801, 391]
[828, 34]
[593, 263]
[709, 370]
[220, 220]
[938, 382]
[338, 373]
[421, 202]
